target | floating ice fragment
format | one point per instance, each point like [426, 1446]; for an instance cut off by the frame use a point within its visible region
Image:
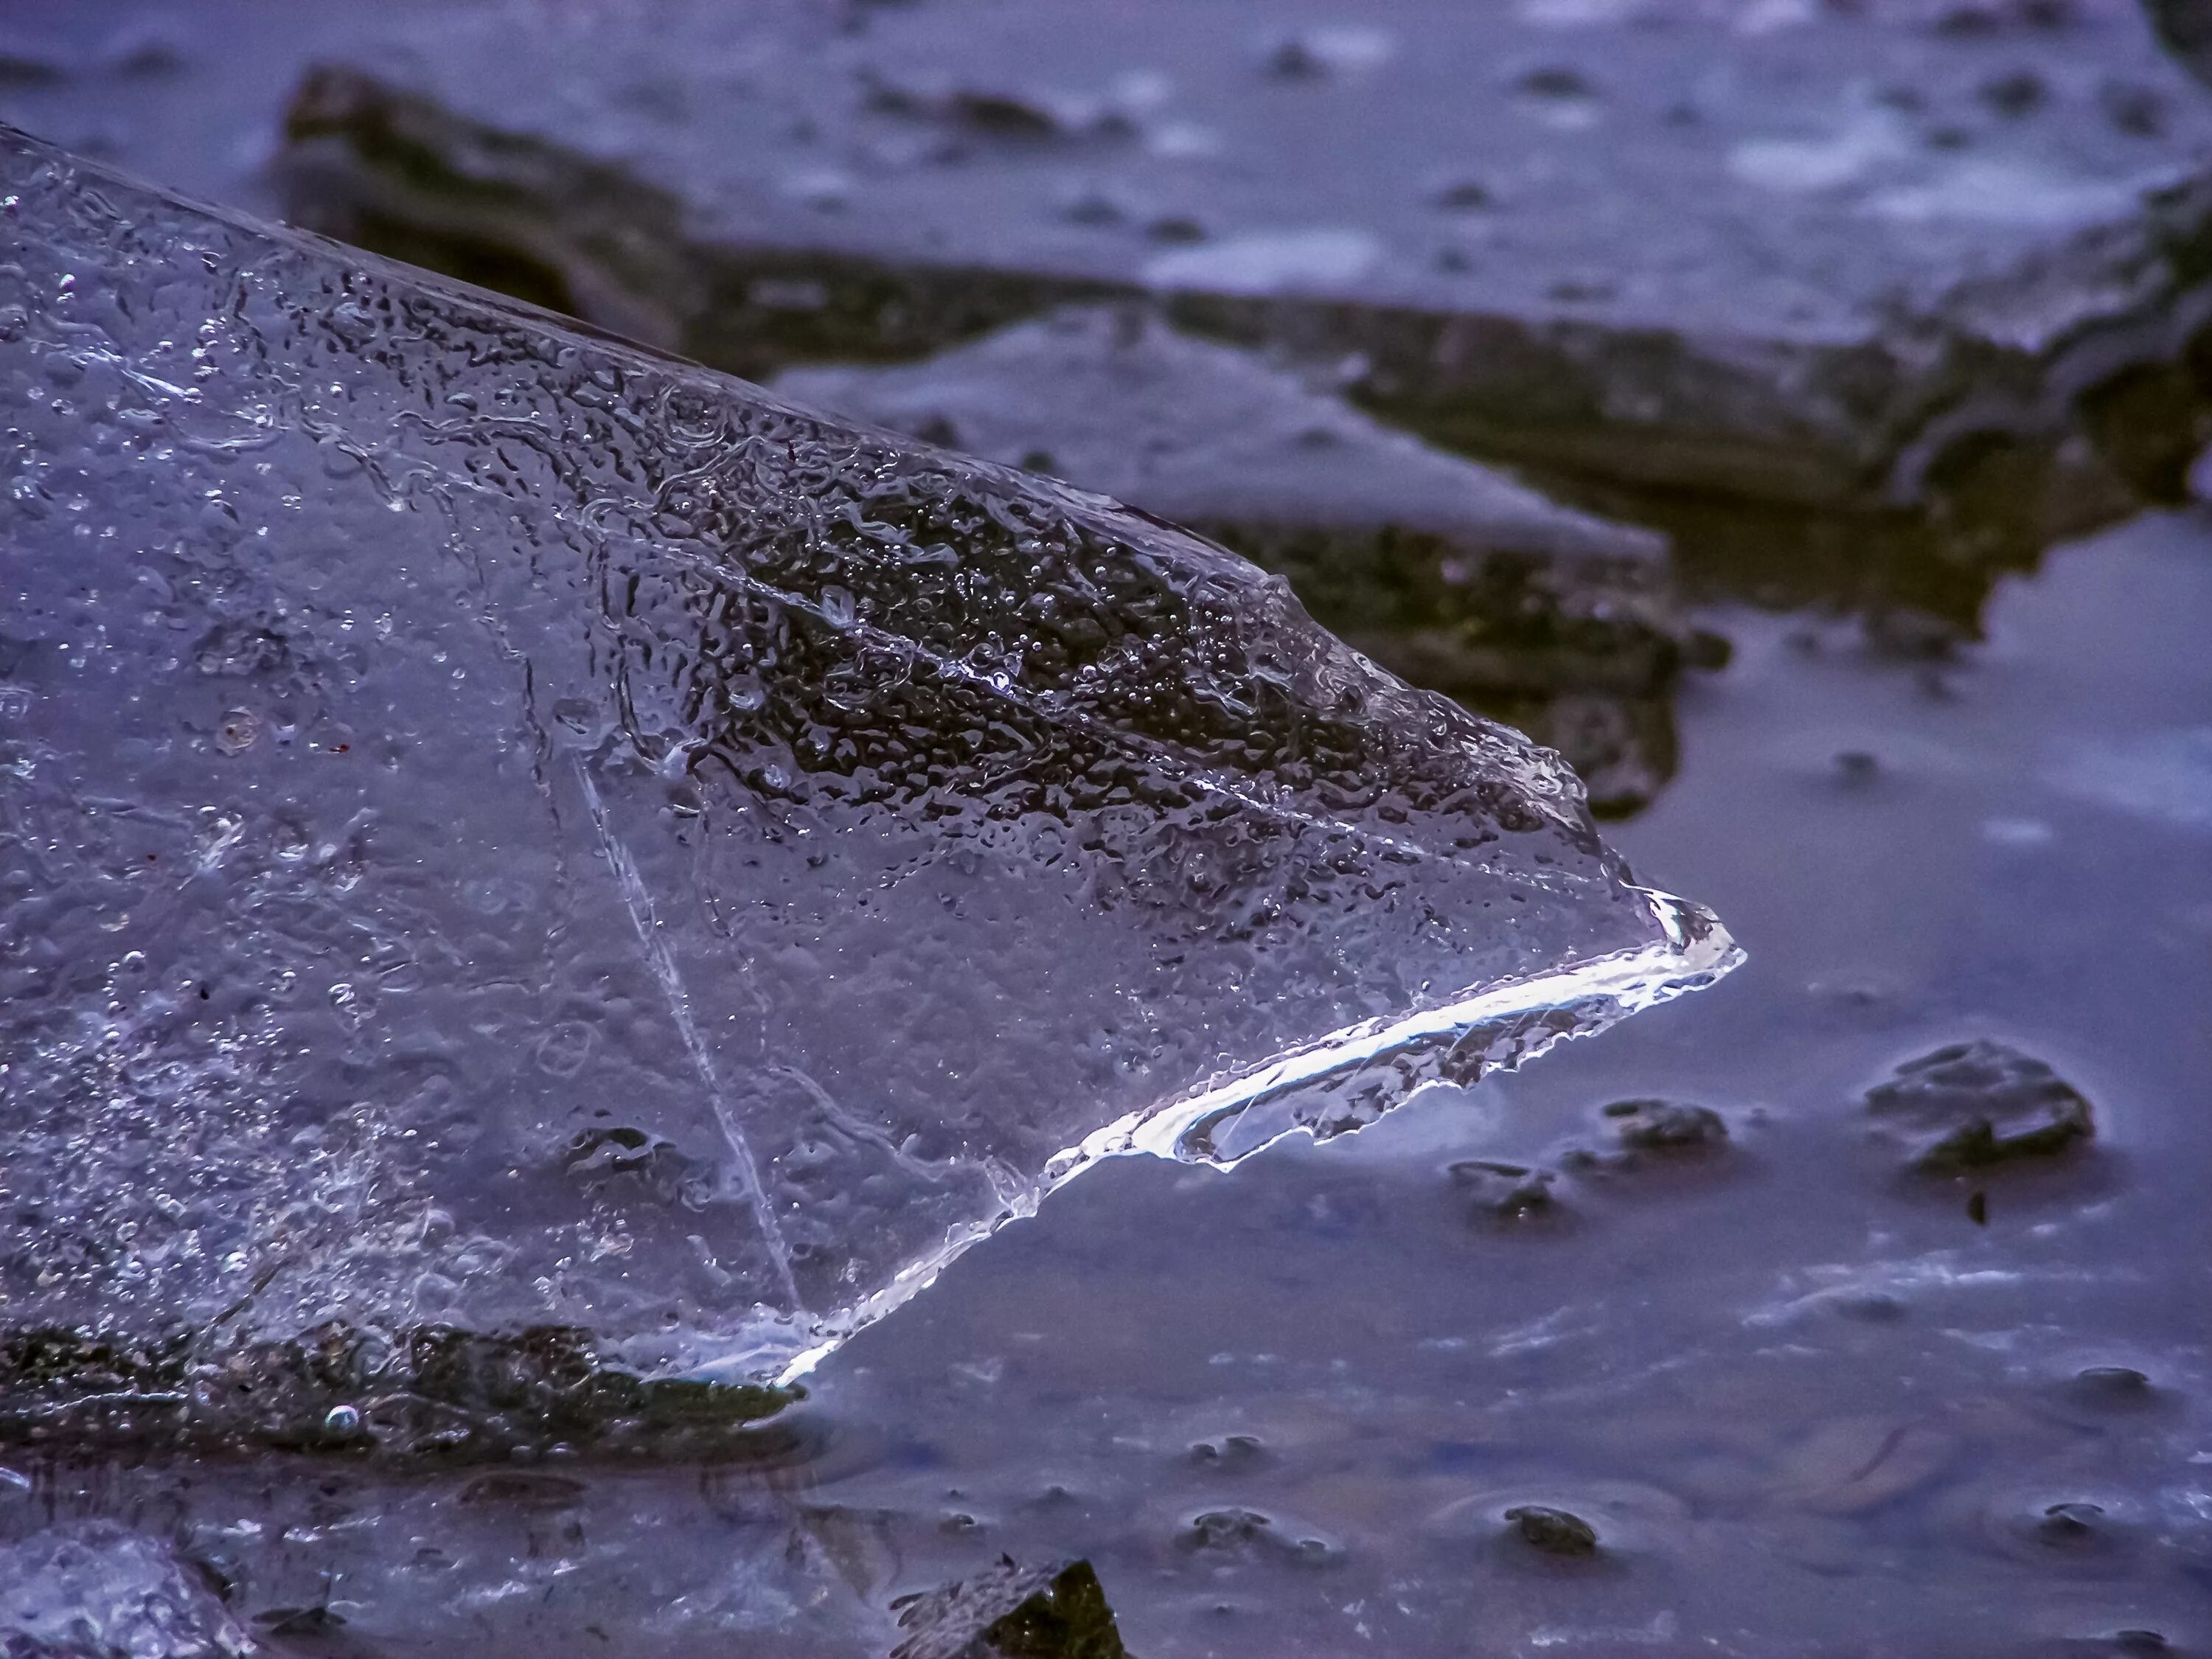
[500, 830]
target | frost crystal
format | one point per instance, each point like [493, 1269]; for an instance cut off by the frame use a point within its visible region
[500, 830]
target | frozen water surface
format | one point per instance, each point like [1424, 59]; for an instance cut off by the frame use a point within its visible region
[98, 1589]
[502, 831]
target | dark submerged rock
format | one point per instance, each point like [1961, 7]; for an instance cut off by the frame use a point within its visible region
[1011, 1612]
[1667, 1126]
[1503, 1192]
[1230, 1454]
[2112, 1389]
[1449, 573]
[1242, 1532]
[2072, 1526]
[1229, 1529]
[1975, 1106]
[1551, 1532]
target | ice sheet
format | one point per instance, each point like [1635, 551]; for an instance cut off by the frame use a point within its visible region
[500, 830]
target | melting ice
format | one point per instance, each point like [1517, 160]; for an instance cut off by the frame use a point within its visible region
[502, 831]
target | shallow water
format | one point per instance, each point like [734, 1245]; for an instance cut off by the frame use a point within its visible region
[1807, 1402]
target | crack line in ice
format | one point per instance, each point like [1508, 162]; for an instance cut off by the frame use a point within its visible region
[639, 903]
[1052, 707]
[1049, 708]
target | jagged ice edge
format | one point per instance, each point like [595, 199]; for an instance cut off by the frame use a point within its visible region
[1697, 951]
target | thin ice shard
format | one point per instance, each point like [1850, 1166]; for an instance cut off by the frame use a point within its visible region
[500, 830]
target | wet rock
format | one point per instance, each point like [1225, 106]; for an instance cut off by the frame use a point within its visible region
[2072, 1535]
[1222, 439]
[2140, 1640]
[1667, 1126]
[1011, 1612]
[1624, 748]
[1821, 307]
[98, 1590]
[1503, 1192]
[1230, 1454]
[696, 784]
[1445, 571]
[1241, 1532]
[1551, 1532]
[435, 1393]
[1220, 1530]
[1650, 1135]
[2112, 1389]
[1974, 1106]
[2071, 1527]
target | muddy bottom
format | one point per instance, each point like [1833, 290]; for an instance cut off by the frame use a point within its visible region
[1510, 1373]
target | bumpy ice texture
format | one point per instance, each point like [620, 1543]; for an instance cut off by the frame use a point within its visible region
[94, 1590]
[498, 829]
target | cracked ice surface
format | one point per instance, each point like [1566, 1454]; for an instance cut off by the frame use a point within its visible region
[499, 828]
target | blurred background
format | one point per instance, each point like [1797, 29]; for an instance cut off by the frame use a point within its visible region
[1791, 410]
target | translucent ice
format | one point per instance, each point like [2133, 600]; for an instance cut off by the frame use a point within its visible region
[500, 831]
[96, 1589]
